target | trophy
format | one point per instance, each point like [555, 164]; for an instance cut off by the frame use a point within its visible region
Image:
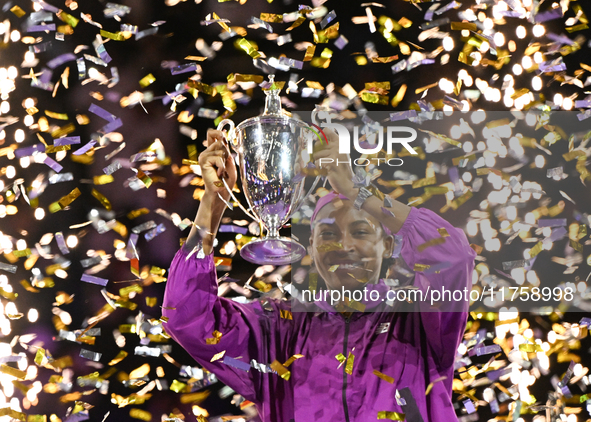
[272, 159]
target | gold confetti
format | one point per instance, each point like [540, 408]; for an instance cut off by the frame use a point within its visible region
[370, 97]
[17, 373]
[140, 414]
[280, 369]
[245, 45]
[292, 359]
[215, 339]
[18, 11]
[69, 19]
[271, 17]
[103, 200]
[458, 26]
[59, 116]
[430, 386]
[328, 247]
[286, 314]
[65, 201]
[147, 80]
[391, 415]
[201, 87]
[385, 377]
[52, 149]
[530, 348]
[300, 20]
[421, 267]
[116, 36]
[399, 95]
[218, 356]
[120, 356]
[432, 242]
[177, 386]
[140, 372]
[197, 397]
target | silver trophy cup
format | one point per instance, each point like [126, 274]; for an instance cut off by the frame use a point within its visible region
[272, 158]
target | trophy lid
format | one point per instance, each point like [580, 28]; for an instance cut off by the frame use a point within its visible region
[274, 112]
[273, 100]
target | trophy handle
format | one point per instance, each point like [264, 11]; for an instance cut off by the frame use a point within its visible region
[231, 137]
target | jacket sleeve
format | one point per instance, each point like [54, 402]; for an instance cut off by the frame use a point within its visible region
[443, 262]
[194, 311]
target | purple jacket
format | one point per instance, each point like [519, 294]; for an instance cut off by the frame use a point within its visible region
[414, 348]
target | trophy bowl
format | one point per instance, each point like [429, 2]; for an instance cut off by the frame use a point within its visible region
[272, 159]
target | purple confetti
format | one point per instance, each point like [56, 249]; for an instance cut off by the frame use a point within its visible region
[184, 68]
[437, 267]
[557, 234]
[54, 165]
[78, 417]
[61, 243]
[70, 140]
[155, 232]
[236, 363]
[582, 103]
[94, 280]
[330, 16]
[341, 42]
[387, 212]
[46, 75]
[28, 151]
[549, 15]
[85, 148]
[585, 321]
[110, 127]
[469, 406]
[403, 115]
[99, 47]
[563, 39]
[130, 251]
[101, 112]
[229, 228]
[41, 28]
[485, 350]
[61, 59]
[551, 222]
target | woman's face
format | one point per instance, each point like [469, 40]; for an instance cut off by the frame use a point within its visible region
[364, 246]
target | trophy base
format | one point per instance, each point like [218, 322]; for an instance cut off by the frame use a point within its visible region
[273, 251]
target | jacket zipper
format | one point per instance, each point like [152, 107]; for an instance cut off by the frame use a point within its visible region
[345, 408]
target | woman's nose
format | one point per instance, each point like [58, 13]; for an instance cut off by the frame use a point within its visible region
[348, 242]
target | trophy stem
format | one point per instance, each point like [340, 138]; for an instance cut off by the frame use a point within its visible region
[273, 226]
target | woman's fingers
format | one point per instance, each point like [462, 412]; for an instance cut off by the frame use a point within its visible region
[214, 135]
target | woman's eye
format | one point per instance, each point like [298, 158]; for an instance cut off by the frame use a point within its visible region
[361, 232]
[326, 233]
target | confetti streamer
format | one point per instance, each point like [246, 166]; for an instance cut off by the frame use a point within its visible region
[94, 280]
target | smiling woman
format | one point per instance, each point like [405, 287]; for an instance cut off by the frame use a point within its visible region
[347, 245]
[359, 360]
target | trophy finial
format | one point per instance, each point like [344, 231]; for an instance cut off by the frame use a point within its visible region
[273, 100]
